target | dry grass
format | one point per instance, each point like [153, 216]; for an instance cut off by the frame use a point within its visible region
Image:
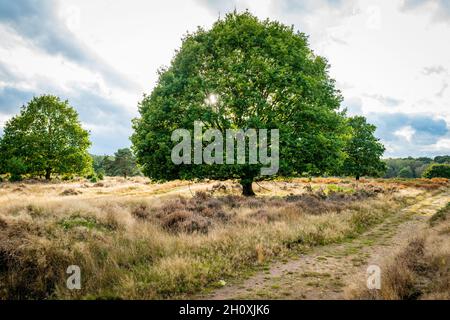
[135, 239]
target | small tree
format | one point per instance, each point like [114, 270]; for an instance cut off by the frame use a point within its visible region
[363, 150]
[45, 138]
[124, 164]
[437, 171]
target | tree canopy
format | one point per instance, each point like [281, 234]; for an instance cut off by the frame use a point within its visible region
[123, 163]
[363, 150]
[412, 167]
[406, 172]
[241, 74]
[45, 138]
[437, 170]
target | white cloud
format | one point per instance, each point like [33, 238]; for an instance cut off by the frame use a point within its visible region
[405, 133]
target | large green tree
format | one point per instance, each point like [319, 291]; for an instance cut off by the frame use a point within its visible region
[243, 73]
[363, 150]
[45, 138]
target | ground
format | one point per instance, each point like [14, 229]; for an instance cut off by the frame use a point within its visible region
[333, 271]
[136, 239]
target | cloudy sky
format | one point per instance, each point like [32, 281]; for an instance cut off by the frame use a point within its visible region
[390, 58]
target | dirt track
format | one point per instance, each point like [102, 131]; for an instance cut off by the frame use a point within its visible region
[330, 272]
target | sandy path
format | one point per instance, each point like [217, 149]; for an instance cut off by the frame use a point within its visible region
[329, 272]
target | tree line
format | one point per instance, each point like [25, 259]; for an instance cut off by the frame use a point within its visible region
[417, 167]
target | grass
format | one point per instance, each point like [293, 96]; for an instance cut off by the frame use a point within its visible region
[421, 270]
[440, 216]
[139, 240]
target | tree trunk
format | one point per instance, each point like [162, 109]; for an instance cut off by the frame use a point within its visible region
[48, 173]
[247, 189]
[357, 177]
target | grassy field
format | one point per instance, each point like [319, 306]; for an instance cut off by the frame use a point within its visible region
[134, 239]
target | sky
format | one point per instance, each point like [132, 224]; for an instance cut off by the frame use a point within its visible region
[390, 59]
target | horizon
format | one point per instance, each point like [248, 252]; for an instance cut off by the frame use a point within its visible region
[103, 67]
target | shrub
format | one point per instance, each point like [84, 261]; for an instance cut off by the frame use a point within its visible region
[100, 176]
[141, 212]
[15, 177]
[437, 171]
[70, 192]
[93, 179]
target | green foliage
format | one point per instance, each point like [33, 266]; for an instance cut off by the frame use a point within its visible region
[263, 75]
[45, 138]
[101, 163]
[15, 177]
[78, 221]
[442, 159]
[363, 150]
[123, 163]
[93, 179]
[100, 176]
[437, 171]
[414, 165]
[67, 177]
[87, 222]
[406, 172]
[16, 167]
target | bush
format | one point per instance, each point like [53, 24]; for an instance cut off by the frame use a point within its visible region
[90, 175]
[15, 177]
[93, 179]
[67, 177]
[437, 171]
[100, 176]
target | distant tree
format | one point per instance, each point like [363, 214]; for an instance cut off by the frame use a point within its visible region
[97, 162]
[124, 164]
[102, 164]
[437, 171]
[417, 166]
[390, 171]
[442, 159]
[363, 150]
[418, 171]
[45, 138]
[424, 160]
[406, 172]
[243, 73]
